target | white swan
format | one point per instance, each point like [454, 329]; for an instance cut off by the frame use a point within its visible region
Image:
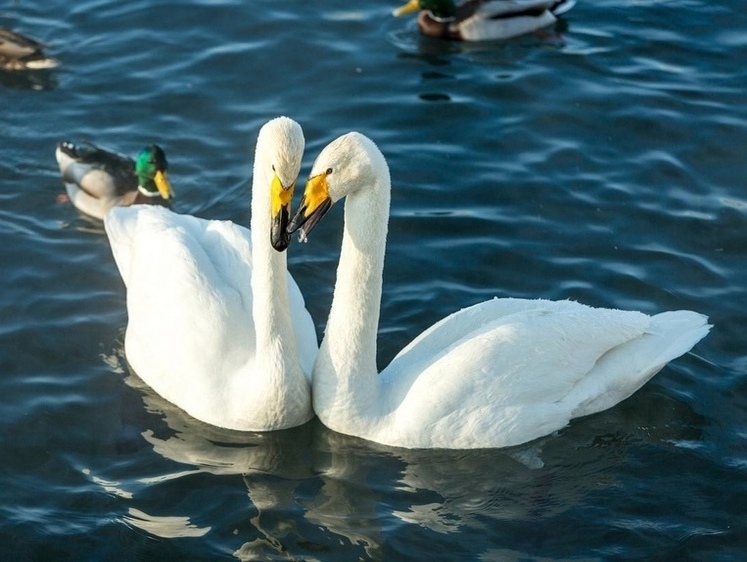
[216, 324]
[496, 374]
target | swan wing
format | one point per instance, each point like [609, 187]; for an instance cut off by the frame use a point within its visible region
[467, 321]
[536, 352]
[507, 371]
[189, 302]
[190, 332]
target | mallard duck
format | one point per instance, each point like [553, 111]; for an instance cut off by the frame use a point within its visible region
[216, 324]
[98, 179]
[18, 52]
[481, 20]
[498, 373]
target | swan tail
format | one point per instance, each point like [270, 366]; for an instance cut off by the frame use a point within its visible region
[681, 326]
[625, 369]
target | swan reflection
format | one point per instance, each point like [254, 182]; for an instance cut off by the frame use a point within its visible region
[313, 491]
[299, 471]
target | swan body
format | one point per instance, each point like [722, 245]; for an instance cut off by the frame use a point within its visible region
[484, 20]
[97, 179]
[496, 374]
[217, 326]
[18, 52]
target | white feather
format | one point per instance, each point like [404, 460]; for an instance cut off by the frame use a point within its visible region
[210, 323]
[500, 373]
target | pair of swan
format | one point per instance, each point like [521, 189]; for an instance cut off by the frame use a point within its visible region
[496, 374]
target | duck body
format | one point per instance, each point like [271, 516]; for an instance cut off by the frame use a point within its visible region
[484, 20]
[217, 326]
[18, 52]
[497, 374]
[97, 179]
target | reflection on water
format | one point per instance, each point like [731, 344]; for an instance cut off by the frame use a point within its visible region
[312, 491]
[278, 469]
[165, 527]
[28, 80]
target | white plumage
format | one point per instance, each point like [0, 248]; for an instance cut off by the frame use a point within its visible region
[500, 373]
[216, 324]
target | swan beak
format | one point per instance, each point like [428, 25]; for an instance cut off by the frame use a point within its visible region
[314, 205]
[409, 8]
[281, 197]
[162, 183]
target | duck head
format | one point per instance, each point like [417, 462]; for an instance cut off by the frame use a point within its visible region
[150, 168]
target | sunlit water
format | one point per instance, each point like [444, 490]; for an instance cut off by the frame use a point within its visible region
[602, 161]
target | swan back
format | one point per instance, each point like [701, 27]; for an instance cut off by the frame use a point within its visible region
[188, 288]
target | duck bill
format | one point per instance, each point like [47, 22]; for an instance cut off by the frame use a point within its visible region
[411, 7]
[314, 205]
[281, 197]
[163, 185]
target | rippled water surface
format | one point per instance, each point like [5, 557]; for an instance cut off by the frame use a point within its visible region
[601, 161]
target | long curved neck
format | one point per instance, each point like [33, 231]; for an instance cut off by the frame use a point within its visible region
[345, 375]
[277, 357]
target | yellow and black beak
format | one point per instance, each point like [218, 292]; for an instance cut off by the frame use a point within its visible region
[314, 205]
[409, 8]
[281, 197]
[163, 184]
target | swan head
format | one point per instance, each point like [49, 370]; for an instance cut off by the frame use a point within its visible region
[150, 168]
[280, 148]
[348, 164]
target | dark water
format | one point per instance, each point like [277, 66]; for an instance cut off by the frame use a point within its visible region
[602, 161]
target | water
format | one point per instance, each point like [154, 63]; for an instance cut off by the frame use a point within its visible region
[601, 161]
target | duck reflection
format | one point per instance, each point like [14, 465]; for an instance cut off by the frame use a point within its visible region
[39, 80]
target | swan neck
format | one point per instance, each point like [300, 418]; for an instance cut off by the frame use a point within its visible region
[346, 376]
[275, 338]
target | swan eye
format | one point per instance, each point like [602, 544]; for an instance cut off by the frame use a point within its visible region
[273, 169]
[329, 171]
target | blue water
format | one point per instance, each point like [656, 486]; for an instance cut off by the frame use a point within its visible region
[601, 161]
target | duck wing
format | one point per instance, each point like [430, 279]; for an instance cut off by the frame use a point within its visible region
[100, 172]
[514, 8]
[19, 51]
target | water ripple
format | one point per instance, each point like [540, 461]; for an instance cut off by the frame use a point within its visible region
[599, 160]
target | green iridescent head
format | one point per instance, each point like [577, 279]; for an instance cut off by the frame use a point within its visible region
[150, 168]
